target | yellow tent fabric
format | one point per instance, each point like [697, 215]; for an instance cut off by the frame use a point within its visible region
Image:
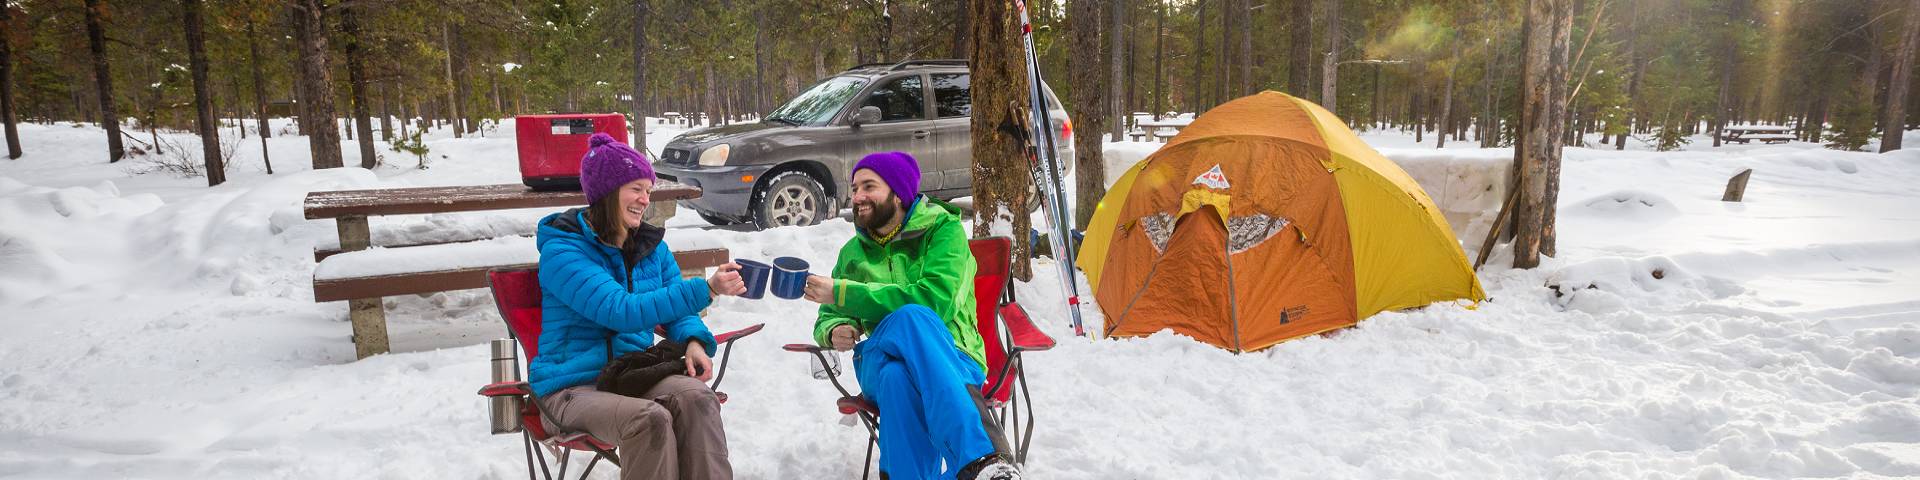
[1397, 220]
[1402, 252]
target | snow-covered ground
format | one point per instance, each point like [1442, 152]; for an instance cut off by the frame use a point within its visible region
[158, 328]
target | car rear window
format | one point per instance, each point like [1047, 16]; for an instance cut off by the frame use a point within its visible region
[951, 95]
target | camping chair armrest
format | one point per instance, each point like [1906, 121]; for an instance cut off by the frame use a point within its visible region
[505, 389]
[738, 334]
[820, 355]
[1026, 337]
[856, 404]
[727, 355]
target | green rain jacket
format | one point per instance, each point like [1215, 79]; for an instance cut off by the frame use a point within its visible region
[927, 263]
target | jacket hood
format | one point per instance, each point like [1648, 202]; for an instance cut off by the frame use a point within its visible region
[571, 225]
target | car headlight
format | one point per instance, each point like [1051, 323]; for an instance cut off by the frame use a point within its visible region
[715, 156]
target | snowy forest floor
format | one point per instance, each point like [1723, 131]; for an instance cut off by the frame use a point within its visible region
[158, 328]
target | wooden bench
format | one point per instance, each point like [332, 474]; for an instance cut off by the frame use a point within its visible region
[350, 208]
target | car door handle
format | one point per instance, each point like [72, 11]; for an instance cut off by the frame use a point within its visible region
[920, 134]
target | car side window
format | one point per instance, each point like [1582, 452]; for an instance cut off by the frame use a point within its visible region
[903, 98]
[952, 95]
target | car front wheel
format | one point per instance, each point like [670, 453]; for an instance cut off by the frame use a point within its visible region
[791, 198]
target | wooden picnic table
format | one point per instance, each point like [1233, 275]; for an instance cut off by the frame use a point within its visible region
[350, 208]
[1764, 133]
[1159, 128]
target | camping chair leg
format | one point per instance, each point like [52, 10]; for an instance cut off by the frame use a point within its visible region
[725, 355]
[589, 470]
[1026, 439]
[527, 441]
[866, 466]
[564, 455]
[544, 472]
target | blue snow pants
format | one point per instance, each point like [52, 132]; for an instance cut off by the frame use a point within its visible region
[909, 368]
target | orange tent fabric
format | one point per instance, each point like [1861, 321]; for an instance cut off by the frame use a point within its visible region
[1263, 221]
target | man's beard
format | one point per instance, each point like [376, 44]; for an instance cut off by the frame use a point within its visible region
[878, 215]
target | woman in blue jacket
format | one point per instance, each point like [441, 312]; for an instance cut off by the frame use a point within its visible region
[606, 281]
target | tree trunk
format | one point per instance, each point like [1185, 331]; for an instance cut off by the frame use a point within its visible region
[1489, 130]
[1000, 138]
[103, 81]
[712, 96]
[1116, 36]
[1246, 48]
[1330, 65]
[259, 93]
[1159, 74]
[963, 25]
[819, 64]
[1894, 125]
[202, 97]
[1197, 53]
[1300, 54]
[357, 88]
[1729, 48]
[641, 10]
[463, 114]
[386, 112]
[1446, 101]
[1542, 117]
[1083, 32]
[1223, 62]
[446, 43]
[310, 31]
[6, 83]
[759, 60]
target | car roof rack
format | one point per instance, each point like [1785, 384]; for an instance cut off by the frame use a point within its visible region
[912, 63]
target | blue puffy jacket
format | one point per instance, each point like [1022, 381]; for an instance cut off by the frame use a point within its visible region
[594, 296]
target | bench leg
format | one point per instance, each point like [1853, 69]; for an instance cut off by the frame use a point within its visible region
[367, 314]
[369, 327]
[658, 213]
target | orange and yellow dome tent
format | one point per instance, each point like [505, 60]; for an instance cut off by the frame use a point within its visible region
[1264, 221]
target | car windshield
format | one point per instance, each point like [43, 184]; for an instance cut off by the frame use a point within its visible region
[817, 105]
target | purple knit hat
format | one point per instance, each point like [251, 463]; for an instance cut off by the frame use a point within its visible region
[610, 164]
[898, 169]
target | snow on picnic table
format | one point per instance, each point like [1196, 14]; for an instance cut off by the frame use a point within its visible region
[157, 328]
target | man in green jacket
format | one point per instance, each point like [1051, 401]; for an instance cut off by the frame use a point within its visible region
[906, 281]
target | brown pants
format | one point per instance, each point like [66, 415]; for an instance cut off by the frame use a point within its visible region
[673, 432]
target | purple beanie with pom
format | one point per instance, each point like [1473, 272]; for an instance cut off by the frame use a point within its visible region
[610, 164]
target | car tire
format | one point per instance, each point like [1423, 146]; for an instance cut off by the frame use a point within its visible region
[791, 198]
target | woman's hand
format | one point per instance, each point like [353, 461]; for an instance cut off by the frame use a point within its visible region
[699, 365]
[726, 280]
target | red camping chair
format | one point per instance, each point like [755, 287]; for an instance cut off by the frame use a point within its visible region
[517, 293]
[993, 295]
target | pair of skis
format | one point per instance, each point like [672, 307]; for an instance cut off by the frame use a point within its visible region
[1043, 161]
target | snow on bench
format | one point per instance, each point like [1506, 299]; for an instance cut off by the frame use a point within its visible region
[379, 272]
[427, 263]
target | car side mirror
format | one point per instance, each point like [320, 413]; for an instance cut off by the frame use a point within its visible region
[867, 114]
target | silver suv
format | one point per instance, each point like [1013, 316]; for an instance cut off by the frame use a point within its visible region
[792, 167]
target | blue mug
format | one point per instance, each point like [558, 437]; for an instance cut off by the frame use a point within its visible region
[754, 274]
[789, 277]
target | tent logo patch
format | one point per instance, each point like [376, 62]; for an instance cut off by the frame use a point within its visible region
[1292, 314]
[1213, 178]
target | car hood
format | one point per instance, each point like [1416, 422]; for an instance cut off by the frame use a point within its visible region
[710, 134]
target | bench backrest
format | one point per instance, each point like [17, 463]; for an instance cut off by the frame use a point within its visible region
[993, 256]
